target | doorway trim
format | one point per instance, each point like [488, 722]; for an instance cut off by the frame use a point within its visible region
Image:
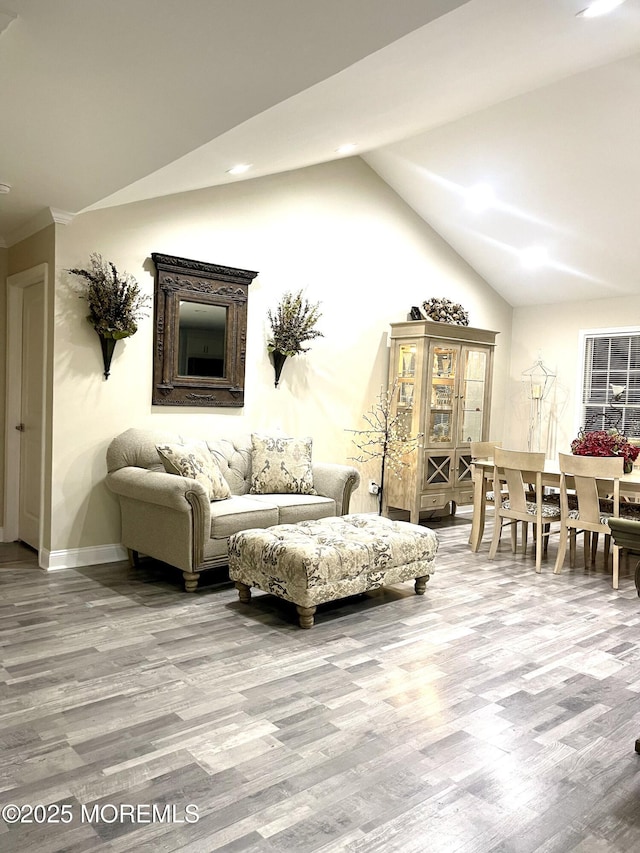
[16, 285]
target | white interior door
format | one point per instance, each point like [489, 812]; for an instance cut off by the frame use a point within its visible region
[26, 337]
[30, 426]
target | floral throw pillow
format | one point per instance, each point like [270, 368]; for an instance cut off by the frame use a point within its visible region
[281, 466]
[195, 460]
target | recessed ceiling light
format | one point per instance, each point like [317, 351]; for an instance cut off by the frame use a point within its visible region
[240, 169]
[534, 257]
[347, 148]
[599, 7]
[480, 197]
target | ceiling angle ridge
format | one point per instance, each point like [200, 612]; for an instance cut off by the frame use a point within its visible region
[6, 19]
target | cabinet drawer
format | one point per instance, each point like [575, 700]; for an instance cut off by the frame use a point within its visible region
[433, 501]
[465, 497]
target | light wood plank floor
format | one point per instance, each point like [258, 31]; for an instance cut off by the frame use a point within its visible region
[495, 714]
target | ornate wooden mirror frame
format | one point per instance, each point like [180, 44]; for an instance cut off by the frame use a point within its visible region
[199, 365]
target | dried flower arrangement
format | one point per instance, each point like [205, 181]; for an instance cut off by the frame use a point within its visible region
[605, 442]
[115, 301]
[292, 324]
[445, 311]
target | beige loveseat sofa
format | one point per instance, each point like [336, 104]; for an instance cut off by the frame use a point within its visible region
[170, 517]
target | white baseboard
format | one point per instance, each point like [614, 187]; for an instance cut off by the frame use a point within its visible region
[76, 558]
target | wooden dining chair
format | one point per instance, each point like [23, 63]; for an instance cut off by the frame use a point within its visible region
[484, 450]
[518, 470]
[585, 477]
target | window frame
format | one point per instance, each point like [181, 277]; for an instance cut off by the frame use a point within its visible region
[585, 336]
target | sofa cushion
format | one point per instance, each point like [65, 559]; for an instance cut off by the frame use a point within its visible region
[294, 508]
[281, 465]
[194, 460]
[240, 513]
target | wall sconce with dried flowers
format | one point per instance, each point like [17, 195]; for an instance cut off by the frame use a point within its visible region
[115, 303]
[292, 323]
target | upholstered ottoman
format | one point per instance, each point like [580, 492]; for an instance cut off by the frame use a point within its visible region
[312, 562]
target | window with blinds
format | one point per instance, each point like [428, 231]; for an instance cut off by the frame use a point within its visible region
[611, 382]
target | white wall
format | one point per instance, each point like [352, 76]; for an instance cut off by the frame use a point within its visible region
[553, 331]
[336, 230]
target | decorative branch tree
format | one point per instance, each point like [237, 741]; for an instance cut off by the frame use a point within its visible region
[386, 438]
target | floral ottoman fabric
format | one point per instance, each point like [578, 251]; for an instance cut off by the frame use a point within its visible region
[317, 561]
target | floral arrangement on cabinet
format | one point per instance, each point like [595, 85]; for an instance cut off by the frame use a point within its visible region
[443, 310]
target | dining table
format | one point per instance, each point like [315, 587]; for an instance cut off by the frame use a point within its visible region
[482, 470]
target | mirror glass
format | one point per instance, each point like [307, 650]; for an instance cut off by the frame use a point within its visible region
[202, 335]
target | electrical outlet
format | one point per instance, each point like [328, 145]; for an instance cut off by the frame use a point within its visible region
[374, 488]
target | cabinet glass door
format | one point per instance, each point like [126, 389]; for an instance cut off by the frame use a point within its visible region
[474, 380]
[405, 386]
[444, 365]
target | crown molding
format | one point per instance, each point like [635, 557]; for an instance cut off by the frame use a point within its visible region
[60, 217]
[47, 216]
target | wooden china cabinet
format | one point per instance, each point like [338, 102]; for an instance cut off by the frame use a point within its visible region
[442, 379]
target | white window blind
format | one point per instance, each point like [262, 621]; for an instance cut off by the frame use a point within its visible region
[611, 382]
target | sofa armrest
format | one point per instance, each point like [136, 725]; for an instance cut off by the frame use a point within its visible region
[336, 481]
[155, 507]
[157, 487]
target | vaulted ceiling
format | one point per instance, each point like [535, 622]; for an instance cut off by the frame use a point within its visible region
[108, 103]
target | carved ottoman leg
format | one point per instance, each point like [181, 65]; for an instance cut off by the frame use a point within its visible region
[421, 584]
[134, 560]
[191, 580]
[244, 592]
[306, 615]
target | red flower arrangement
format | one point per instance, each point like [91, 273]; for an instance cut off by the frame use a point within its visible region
[605, 442]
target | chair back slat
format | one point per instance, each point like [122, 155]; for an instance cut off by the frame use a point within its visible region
[605, 467]
[483, 449]
[518, 460]
[586, 492]
[515, 489]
